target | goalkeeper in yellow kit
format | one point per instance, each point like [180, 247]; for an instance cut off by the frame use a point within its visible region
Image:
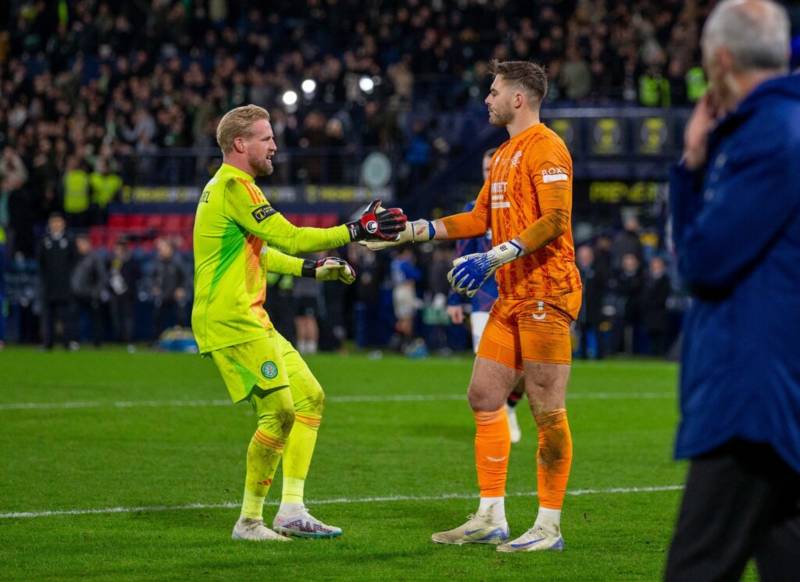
[238, 237]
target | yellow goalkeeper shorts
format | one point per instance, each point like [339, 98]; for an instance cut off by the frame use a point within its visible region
[256, 364]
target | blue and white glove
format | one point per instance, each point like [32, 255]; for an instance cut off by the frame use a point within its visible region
[470, 272]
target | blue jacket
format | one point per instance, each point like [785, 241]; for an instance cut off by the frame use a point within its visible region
[736, 227]
[487, 294]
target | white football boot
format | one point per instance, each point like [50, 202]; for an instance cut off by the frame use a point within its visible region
[538, 538]
[254, 530]
[479, 529]
[302, 524]
[513, 425]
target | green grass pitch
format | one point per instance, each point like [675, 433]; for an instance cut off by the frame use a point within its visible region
[148, 440]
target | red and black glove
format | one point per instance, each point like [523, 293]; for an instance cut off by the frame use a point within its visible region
[378, 223]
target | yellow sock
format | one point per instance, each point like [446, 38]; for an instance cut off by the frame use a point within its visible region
[297, 456]
[263, 456]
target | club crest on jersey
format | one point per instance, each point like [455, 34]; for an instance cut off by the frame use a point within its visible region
[263, 212]
[516, 158]
[269, 370]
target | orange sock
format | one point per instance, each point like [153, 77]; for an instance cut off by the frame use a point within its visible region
[554, 458]
[492, 446]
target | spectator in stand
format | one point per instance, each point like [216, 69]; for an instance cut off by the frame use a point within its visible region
[627, 241]
[655, 313]
[314, 141]
[123, 281]
[170, 281]
[629, 284]
[105, 186]
[591, 315]
[17, 197]
[575, 77]
[90, 287]
[76, 193]
[56, 257]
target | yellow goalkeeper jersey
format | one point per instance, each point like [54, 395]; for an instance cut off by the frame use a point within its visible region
[234, 227]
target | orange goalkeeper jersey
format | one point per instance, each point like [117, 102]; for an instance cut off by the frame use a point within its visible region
[530, 178]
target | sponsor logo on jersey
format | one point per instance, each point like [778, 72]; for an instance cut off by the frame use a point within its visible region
[554, 174]
[263, 212]
[372, 227]
[498, 190]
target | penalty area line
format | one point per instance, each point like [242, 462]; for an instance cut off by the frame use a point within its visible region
[330, 501]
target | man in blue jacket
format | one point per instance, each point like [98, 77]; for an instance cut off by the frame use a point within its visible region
[735, 200]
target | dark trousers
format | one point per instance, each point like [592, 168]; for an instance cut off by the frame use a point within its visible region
[741, 501]
[61, 310]
[93, 309]
[122, 317]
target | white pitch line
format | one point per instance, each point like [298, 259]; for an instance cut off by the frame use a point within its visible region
[331, 501]
[331, 399]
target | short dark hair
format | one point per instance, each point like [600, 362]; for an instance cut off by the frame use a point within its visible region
[530, 76]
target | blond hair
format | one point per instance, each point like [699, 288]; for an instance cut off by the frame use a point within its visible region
[238, 122]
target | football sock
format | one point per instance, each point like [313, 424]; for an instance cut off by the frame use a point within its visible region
[554, 458]
[263, 456]
[492, 446]
[548, 517]
[494, 506]
[297, 456]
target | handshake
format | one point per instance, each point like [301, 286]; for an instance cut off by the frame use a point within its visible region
[374, 224]
[379, 228]
[377, 223]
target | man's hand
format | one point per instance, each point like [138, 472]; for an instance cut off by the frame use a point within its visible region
[695, 137]
[456, 313]
[417, 231]
[377, 223]
[329, 269]
[470, 272]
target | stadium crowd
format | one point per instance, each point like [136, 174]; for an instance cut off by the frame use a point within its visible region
[89, 89]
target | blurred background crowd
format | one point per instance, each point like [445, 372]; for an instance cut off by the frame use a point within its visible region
[100, 98]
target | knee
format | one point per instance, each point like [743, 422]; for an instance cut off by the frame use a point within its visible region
[278, 422]
[313, 400]
[483, 398]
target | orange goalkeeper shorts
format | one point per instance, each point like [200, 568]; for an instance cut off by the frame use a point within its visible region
[530, 329]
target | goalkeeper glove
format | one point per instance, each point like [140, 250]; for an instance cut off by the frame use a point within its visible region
[470, 272]
[329, 269]
[417, 231]
[377, 223]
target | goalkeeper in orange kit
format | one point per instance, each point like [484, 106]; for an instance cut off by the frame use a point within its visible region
[527, 203]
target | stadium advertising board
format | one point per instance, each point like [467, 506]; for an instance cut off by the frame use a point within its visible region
[288, 194]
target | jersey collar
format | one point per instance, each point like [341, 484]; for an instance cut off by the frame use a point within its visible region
[532, 129]
[229, 170]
